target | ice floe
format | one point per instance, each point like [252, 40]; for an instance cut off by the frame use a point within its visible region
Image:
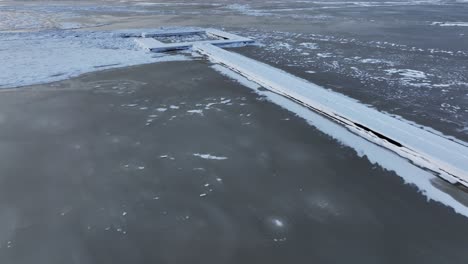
[195, 111]
[309, 45]
[450, 24]
[410, 77]
[324, 55]
[209, 156]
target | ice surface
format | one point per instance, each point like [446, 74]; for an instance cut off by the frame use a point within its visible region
[40, 57]
[366, 61]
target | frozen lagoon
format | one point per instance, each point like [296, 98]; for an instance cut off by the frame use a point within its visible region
[268, 173]
[139, 165]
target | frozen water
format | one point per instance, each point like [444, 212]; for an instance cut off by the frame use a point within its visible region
[39, 57]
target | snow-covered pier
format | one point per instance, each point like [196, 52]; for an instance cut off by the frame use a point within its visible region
[446, 157]
[222, 38]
